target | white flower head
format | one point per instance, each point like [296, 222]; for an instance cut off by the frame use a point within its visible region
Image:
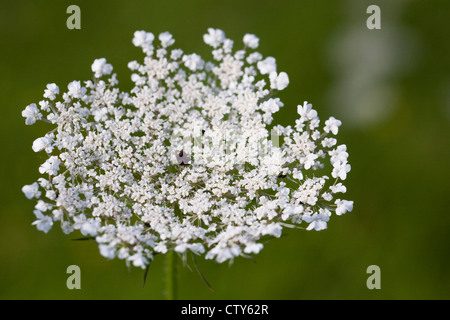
[318, 221]
[328, 142]
[107, 251]
[193, 61]
[31, 191]
[31, 113]
[44, 143]
[100, 114]
[143, 39]
[228, 45]
[214, 37]
[309, 160]
[343, 206]
[51, 91]
[253, 248]
[176, 54]
[297, 174]
[340, 169]
[291, 211]
[251, 41]
[138, 260]
[166, 39]
[267, 66]
[339, 154]
[76, 90]
[50, 166]
[100, 67]
[332, 125]
[43, 206]
[90, 227]
[187, 160]
[306, 112]
[43, 223]
[254, 57]
[278, 81]
[338, 188]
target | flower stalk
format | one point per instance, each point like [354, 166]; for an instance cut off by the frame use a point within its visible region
[171, 276]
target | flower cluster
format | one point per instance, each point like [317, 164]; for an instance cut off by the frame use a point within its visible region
[185, 160]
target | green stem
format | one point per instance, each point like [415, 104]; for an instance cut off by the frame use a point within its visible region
[171, 275]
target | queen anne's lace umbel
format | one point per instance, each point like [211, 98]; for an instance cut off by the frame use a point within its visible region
[185, 160]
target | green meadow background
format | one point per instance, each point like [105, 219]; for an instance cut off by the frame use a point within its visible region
[390, 88]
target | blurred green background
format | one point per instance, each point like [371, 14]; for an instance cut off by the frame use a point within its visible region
[390, 87]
